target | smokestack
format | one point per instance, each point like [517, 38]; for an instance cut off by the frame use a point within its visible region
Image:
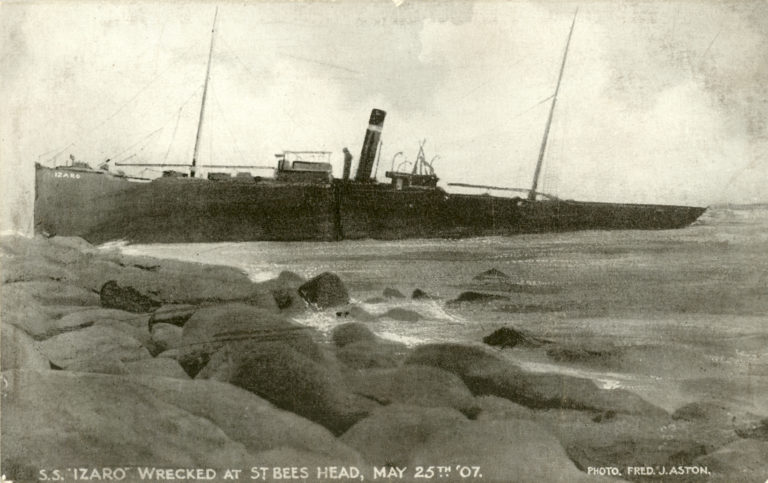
[370, 145]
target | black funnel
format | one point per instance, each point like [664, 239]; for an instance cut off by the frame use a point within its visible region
[370, 145]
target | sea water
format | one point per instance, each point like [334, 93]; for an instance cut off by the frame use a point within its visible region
[674, 315]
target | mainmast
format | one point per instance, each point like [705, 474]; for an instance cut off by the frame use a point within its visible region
[193, 169]
[542, 150]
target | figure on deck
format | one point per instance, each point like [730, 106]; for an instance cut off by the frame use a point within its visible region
[347, 164]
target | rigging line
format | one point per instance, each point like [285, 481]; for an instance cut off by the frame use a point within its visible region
[52, 150]
[136, 143]
[492, 79]
[144, 139]
[503, 128]
[162, 125]
[173, 136]
[242, 63]
[58, 153]
[226, 124]
[325, 64]
[140, 91]
[711, 42]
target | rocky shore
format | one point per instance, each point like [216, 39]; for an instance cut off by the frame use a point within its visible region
[111, 361]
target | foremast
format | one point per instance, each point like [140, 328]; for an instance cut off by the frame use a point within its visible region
[543, 148]
[193, 168]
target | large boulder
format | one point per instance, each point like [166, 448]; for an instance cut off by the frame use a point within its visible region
[511, 450]
[210, 328]
[467, 297]
[359, 348]
[50, 293]
[284, 290]
[159, 366]
[166, 337]
[589, 354]
[24, 312]
[456, 358]
[70, 347]
[99, 364]
[60, 419]
[419, 294]
[19, 351]
[494, 408]
[325, 290]
[390, 435]
[718, 417]
[247, 418]
[174, 314]
[545, 390]
[290, 380]
[113, 296]
[629, 439]
[743, 460]
[140, 333]
[492, 275]
[509, 337]
[56, 250]
[134, 325]
[418, 386]
[351, 332]
[372, 354]
[392, 293]
[26, 270]
[170, 281]
[485, 373]
[404, 315]
[357, 313]
[92, 315]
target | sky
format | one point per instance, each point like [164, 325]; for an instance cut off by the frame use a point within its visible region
[661, 102]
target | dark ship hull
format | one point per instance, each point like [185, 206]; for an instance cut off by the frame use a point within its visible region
[100, 207]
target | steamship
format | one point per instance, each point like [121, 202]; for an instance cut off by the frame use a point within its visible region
[303, 201]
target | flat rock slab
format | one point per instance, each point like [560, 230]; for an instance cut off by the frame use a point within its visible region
[512, 450]
[174, 314]
[64, 419]
[99, 364]
[248, 419]
[390, 434]
[459, 359]
[351, 332]
[744, 460]
[210, 328]
[65, 349]
[159, 366]
[290, 380]
[166, 337]
[401, 314]
[51, 293]
[19, 351]
[417, 386]
[372, 354]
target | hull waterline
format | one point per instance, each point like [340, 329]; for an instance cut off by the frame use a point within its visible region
[101, 207]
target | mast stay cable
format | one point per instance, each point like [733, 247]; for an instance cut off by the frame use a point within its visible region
[542, 150]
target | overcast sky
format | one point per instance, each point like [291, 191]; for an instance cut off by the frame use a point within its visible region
[661, 102]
